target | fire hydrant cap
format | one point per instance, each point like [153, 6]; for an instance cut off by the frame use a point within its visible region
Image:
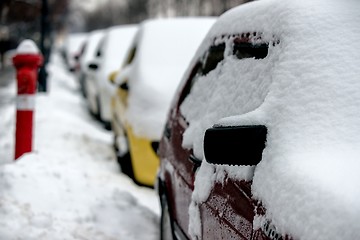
[27, 47]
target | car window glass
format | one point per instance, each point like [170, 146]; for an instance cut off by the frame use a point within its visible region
[98, 53]
[243, 46]
[83, 49]
[208, 62]
[195, 72]
[131, 56]
[213, 57]
[99, 49]
[250, 50]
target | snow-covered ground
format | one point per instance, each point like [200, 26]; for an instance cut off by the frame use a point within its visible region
[70, 187]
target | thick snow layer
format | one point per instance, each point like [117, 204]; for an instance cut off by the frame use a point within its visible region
[164, 50]
[116, 44]
[27, 47]
[7, 124]
[70, 186]
[72, 46]
[92, 44]
[114, 48]
[306, 93]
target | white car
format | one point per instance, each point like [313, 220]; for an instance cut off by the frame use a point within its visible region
[72, 48]
[110, 54]
[88, 54]
[158, 58]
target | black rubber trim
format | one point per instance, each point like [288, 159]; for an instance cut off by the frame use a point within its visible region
[238, 145]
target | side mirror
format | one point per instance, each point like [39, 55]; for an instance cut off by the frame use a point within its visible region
[112, 76]
[93, 66]
[239, 145]
[124, 86]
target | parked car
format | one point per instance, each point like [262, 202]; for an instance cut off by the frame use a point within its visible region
[72, 48]
[88, 53]
[262, 141]
[8, 56]
[110, 53]
[160, 53]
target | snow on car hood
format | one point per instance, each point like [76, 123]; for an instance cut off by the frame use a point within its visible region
[164, 50]
[306, 91]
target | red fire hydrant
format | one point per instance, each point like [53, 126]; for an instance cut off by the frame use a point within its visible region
[26, 61]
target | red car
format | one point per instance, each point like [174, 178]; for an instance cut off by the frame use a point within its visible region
[263, 131]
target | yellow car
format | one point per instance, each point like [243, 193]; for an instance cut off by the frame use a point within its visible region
[142, 172]
[146, 83]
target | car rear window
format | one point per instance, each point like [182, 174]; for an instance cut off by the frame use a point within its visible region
[213, 57]
[243, 46]
[250, 50]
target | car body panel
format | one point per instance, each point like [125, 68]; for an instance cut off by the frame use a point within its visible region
[233, 203]
[118, 108]
[144, 160]
[179, 183]
[179, 176]
[87, 56]
[110, 54]
[229, 210]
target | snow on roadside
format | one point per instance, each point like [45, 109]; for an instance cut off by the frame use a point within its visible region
[70, 187]
[7, 113]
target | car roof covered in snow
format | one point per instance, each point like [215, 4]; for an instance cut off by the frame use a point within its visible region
[117, 42]
[164, 49]
[74, 41]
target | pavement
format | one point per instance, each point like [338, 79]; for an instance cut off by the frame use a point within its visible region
[7, 75]
[7, 113]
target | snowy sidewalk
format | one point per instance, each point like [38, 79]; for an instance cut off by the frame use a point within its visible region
[70, 187]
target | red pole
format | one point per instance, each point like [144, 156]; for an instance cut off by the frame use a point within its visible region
[26, 61]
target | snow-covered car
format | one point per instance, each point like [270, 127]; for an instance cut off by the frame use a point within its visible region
[110, 54]
[262, 140]
[72, 48]
[87, 55]
[159, 56]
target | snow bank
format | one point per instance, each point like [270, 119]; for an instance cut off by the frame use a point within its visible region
[306, 93]
[70, 187]
[7, 124]
[164, 50]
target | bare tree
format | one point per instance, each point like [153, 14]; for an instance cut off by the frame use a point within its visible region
[114, 12]
[167, 8]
